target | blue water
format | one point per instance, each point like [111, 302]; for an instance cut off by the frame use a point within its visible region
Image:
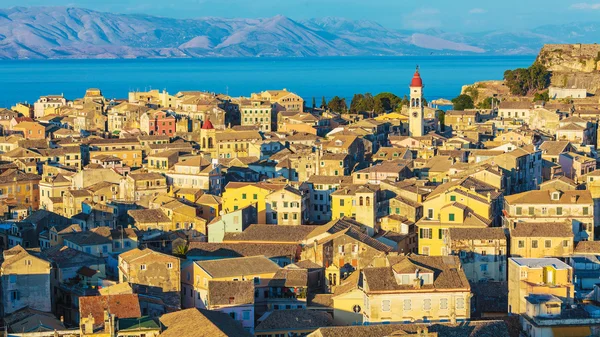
[443, 76]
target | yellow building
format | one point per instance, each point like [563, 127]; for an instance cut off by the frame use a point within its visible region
[196, 275]
[535, 240]
[131, 158]
[433, 234]
[138, 186]
[24, 109]
[538, 276]
[234, 144]
[256, 113]
[25, 281]
[281, 100]
[287, 206]
[574, 206]
[414, 289]
[359, 202]
[151, 268]
[238, 195]
[211, 206]
[483, 199]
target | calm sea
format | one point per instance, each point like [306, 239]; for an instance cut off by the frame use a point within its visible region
[443, 76]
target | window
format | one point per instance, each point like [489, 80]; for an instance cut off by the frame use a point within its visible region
[585, 211]
[444, 303]
[548, 243]
[244, 196]
[521, 244]
[341, 202]
[565, 243]
[534, 243]
[531, 211]
[483, 267]
[407, 304]
[256, 280]
[430, 213]
[451, 217]
[143, 267]
[385, 305]
[425, 233]
[246, 315]
[255, 196]
[427, 304]
[558, 210]
[452, 198]
[460, 303]
[544, 210]
[170, 265]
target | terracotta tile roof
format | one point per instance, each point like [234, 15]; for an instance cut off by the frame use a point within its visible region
[588, 247]
[64, 256]
[122, 306]
[96, 236]
[527, 230]
[350, 283]
[148, 216]
[447, 274]
[298, 319]
[230, 292]
[227, 250]
[274, 233]
[201, 323]
[544, 197]
[489, 233]
[486, 328]
[146, 176]
[290, 278]
[320, 300]
[238, 266]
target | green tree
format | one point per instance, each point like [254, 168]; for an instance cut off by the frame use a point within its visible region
[405, 101]
[323, 103]
[379, 106]
[357, 103]
[487, 103]
[389, 101]
[337, 104]
[473, 92]
[368, 102]
[180, 250]
[541, 96]
[441, 116]
[463, 102]
[524, 81]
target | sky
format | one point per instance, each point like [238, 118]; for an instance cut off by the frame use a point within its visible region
[447, 15]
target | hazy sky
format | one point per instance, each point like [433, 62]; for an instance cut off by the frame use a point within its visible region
[450, 15]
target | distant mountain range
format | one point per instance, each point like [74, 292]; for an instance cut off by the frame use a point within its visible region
[59, 32]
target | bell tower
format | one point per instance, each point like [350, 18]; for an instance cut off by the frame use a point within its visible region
[416, 109]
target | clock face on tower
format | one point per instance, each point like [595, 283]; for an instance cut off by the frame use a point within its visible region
[415, 114]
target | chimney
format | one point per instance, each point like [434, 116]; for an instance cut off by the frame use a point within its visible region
[417, 283]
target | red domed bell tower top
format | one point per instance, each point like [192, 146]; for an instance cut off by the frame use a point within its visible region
[416, 80]
[207, 125]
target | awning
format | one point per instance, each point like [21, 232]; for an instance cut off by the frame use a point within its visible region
[572, 331]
